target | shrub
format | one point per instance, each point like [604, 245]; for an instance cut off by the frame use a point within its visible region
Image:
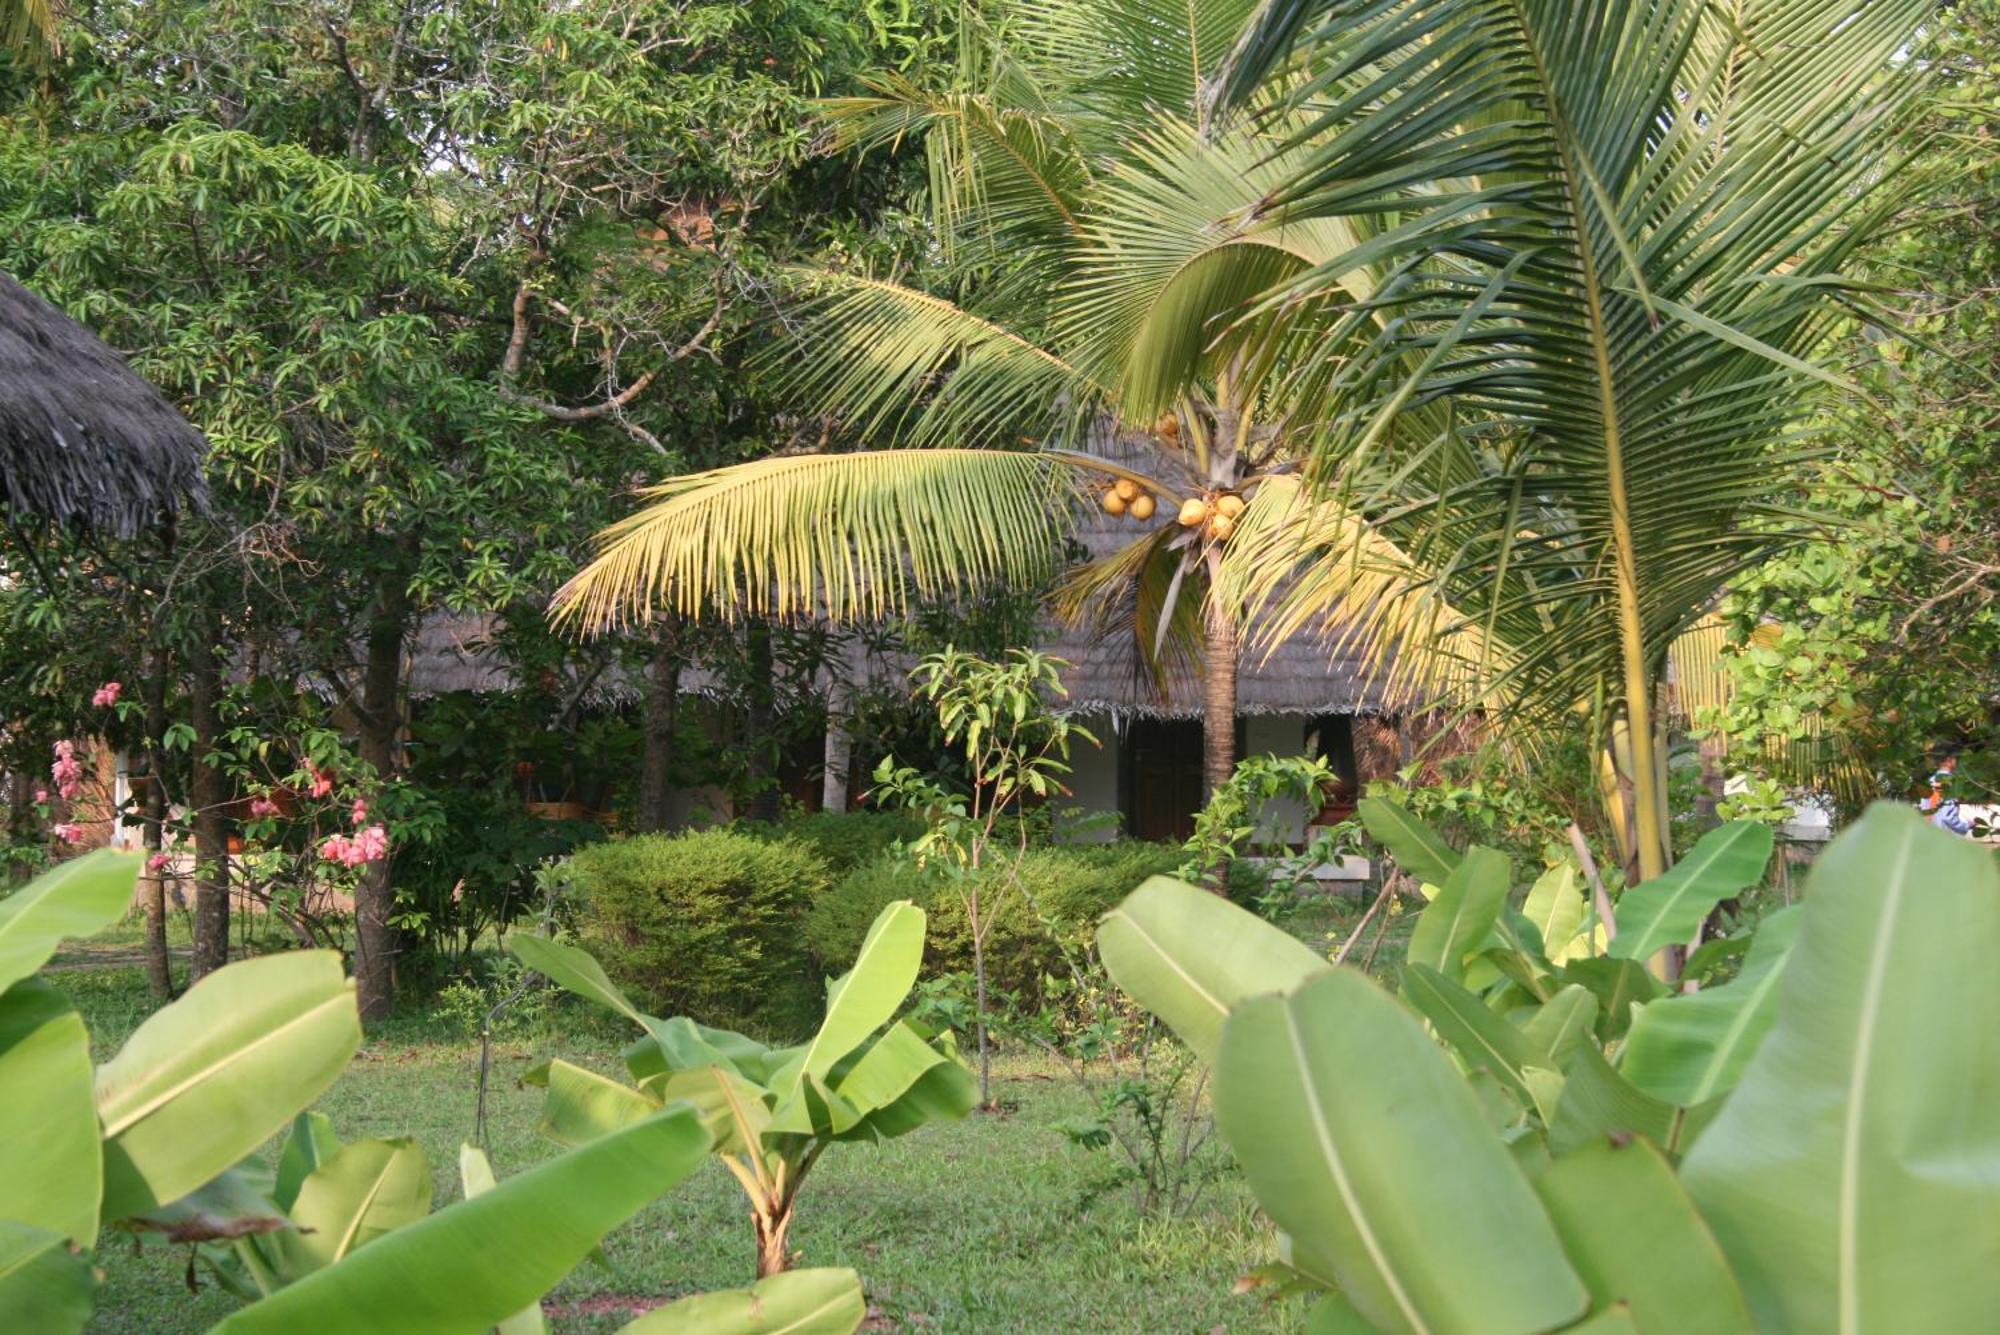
[1071, 886]
[705, 923]
[843, 840]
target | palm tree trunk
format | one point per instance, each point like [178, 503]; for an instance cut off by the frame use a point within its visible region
[839, 753]
[761, 746]
[1218, 709]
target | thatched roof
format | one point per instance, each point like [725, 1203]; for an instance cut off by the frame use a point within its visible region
[83, 440]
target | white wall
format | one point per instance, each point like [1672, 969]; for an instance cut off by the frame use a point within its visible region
[1093, 779]
[1278, 735]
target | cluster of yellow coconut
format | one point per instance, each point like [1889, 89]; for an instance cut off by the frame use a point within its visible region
[1219, 513]
[1126, 497]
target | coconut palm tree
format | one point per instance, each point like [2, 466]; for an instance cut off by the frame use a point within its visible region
[30, 27]
[1119, 247]
[1635, 245]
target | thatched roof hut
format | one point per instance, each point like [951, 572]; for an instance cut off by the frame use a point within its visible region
[83, 440]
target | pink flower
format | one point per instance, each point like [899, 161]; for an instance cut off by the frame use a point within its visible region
[107, 695]
[360, 810]
[69, 832]
[322, 783]
[41, 794]
[262, 806]
[369, 845]
[68, 770]
[157, 861]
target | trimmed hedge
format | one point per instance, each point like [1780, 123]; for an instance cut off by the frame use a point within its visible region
[708, 924]
[843, 840]
[1072, 885]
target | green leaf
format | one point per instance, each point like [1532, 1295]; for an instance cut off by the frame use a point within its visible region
[1562, 1023]
[732, 1108]
[311, 1144]
[575, 969]
[475, 1176]
[1854, 1175]
[797, 1302]
[1393, 1181]
[582, 1105]
[1690, 1048]
[1417, 848]
[1634, 1237]
[51, 1162]
[44, 1286]
[1556, 906]
[1666, 910]
[889, 1069]
[1617, 985]
[1598, 1102]
[1190, 957]
[78, 898]
[858, 1003]
[208, 1079]
[478, 1262]
[367, 1189]
[1458, 920]
[1486, 1041]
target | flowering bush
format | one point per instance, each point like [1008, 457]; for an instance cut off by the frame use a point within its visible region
[106, 695]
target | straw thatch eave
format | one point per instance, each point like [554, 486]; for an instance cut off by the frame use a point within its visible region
[84, 441]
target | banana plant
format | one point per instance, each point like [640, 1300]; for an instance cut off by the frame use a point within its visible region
[198, 1085]
[1407, 1185]
[864, 1076]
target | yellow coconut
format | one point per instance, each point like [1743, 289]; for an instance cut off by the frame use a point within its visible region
[1168, 427]
[1126, 488]
[1221, 527]
[1142, 506]
[1114, 504]
[1230, 506]
[1193, 511]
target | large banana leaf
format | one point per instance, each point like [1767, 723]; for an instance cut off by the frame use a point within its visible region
[797, 1302]
[902, 1065]
[1596, 1102]
[1633, 1234]
[1854, 1175]
[1367, 1147]
[732, 1108]
[475, 1175]
[1191, 957]
[311, 1144]
[80, 897]
[1666, 910]
[205, 1081]
[1690, 1048]
[1557, 908]
[1482, 1037]
[858, 1003]
[367, 1189]
[51, 1163]
[1417, 848]
[1456, 923]
[582, 1105]
[476, 1263]
[44, 1286]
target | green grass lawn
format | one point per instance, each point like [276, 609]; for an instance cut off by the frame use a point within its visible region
[997, 1223]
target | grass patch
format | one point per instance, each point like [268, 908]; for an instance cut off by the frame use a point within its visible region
[996, 1223]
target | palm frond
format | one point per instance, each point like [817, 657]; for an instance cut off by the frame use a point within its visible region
[1150, 591]
[843, 536]
[895, 363]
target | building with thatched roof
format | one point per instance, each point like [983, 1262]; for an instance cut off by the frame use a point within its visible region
[84, 441]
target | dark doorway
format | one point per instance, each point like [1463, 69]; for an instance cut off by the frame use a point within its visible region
[1162, 778]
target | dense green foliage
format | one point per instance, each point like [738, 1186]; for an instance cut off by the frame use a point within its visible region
[844, 841]
[709, 922]
[1065, 888]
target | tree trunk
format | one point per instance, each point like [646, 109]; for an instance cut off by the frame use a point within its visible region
[1218, 717]
[772, 1256]
[761, 745]
[153, 809]
[207, 792]
[380, 719]
[839, 748]
[656, 763]
[1714, 778]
